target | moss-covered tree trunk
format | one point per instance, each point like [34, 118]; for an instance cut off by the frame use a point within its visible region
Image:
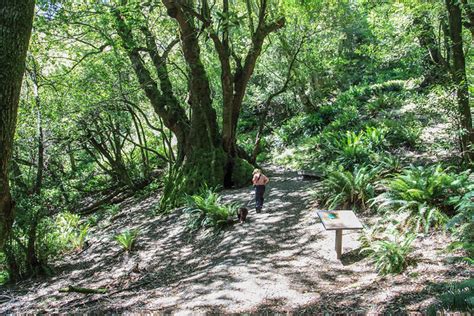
[205, 158]
[234, 82]
[16, 18]
[458, 71]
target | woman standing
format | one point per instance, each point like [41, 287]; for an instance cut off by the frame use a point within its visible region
[259, 181]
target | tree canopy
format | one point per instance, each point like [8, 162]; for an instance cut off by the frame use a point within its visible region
[117, 101]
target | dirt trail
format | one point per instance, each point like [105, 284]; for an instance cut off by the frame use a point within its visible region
[280, 260]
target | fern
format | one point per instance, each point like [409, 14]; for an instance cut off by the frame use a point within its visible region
[205, 210]
[462, 225]
[459, 297]
[344, 188]
[424, 194]
[389, 256]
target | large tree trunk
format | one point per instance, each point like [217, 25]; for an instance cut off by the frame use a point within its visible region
[240, 82]
[234, 84]
[16, 18]
[204, 154]
[459, 77]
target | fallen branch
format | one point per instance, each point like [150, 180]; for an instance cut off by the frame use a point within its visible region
[82, 290]
[96, 205]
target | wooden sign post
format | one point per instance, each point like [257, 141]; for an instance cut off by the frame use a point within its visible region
[339, 221]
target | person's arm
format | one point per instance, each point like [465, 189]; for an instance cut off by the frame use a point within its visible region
[266, 180]
[254, 179]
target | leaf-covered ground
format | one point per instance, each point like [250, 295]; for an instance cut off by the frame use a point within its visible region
[281, 260]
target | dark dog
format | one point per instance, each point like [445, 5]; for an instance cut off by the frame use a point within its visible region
[242, 214]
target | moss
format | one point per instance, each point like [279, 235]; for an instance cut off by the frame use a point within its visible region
[242, 173]
[202, 167]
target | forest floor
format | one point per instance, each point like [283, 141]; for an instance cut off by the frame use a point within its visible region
[281, 260]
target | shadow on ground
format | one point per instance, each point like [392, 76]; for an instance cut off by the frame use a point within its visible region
[280, 260]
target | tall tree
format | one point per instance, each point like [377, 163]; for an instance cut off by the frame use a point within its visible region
[16, 19]
[459, 77]
[204, 151]
[234, 80]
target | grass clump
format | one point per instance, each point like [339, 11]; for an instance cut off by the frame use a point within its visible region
[390, 256]
[127, 239]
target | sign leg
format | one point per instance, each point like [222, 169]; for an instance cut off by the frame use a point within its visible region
[339, 243]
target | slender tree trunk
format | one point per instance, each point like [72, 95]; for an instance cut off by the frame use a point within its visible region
[459, 78]
[39, 131]
[72, 159]
[16, 18]
[17, 177]
[468, 9]
[31, 257]
[435, 64]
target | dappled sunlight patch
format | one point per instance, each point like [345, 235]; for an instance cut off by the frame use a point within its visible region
[282, 259]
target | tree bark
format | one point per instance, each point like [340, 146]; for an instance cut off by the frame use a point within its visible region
[16, 18]
[83, 290]
[241, 79]
[204, 154]
[459, 78]
[234, 83]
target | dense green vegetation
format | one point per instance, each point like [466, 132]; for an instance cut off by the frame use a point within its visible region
[125, 99]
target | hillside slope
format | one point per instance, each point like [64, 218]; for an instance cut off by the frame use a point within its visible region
[280, 260]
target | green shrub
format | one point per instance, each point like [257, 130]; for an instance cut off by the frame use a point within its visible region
[112, 210]
[205, 210]
[3, 269]
[388, 165]
[347, 118]
[403, 132]
[54, 236]
[343, 189]
[351, 149]
[422, 194]
[390, 256]
[383, 102]
[127, 239]
[72, 234]
[302, 125]
[173, 190]
[462, 224]
[242, 173]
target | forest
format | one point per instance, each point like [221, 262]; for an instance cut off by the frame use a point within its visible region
[134, 136]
